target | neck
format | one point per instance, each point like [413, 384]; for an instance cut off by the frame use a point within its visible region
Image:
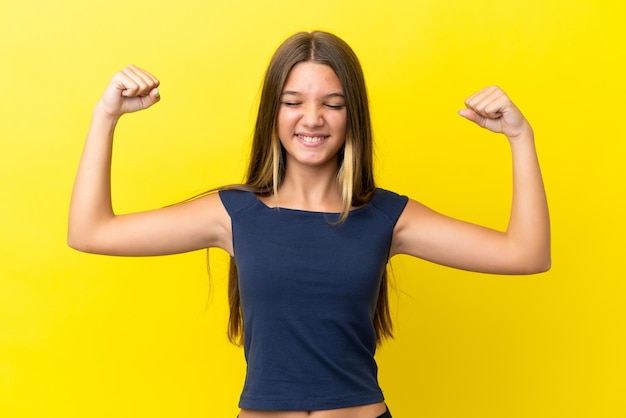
[310, 188]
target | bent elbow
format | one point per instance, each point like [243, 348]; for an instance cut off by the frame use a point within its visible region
[540, 268]
[543, 261]
[79, 242]
[76, 243]
[546, 266]
[536, 265]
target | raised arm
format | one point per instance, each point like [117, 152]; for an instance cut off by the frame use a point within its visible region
[524, 248]
[94, 227]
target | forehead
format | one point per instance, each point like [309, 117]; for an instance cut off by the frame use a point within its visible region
[312, 78]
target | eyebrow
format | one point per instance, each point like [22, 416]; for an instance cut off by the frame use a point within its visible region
[296, 93]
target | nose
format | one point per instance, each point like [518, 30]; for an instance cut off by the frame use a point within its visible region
[312, 116]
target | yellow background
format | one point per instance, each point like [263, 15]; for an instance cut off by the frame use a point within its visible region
[93, 336]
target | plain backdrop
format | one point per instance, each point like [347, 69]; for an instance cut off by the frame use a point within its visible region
[93, 336]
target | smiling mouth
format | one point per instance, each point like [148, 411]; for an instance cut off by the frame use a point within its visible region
[311, 139]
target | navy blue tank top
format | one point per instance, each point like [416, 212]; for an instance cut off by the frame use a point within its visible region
[308, 294]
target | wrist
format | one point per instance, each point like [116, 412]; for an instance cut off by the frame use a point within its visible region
[101, 112]
[524, 134]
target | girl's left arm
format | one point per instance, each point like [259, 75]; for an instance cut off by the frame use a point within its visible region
[524, 248]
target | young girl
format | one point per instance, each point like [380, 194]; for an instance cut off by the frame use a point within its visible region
[309, 233]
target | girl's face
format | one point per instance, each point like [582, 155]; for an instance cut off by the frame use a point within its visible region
[312, 116]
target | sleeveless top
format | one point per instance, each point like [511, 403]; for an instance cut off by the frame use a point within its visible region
[308, 291]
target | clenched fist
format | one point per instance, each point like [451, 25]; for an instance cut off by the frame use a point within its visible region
[492, 109]
[130, 90]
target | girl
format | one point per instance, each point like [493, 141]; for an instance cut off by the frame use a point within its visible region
[309, 233]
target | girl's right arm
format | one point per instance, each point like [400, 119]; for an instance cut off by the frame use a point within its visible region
[95, 228]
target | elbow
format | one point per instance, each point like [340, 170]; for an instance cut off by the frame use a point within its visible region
[91, 237]
[530, 258]
[76, 237]
[86, 235]
[542, 267]
[75, 242]
[79, 241]
[536, 264]
[543, 260]
[547, 265]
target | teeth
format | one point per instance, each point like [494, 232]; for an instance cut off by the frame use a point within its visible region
[311, 139]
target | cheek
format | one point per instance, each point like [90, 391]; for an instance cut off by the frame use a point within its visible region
[281, 126]
[285, 121]
[341, 123]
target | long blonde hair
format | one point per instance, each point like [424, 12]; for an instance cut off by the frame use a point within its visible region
[266, 169]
